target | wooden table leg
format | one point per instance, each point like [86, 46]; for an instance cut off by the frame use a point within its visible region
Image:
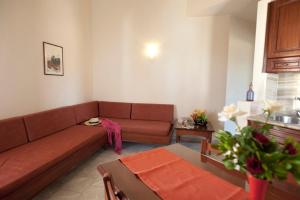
[209, 138]
[203, 150]
[177, 138]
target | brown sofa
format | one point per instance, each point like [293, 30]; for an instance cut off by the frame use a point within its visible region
[38, 148]
[142, 123]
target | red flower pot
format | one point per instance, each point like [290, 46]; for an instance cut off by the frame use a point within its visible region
[258, 188]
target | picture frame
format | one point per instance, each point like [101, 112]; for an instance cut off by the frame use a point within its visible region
[53, 59]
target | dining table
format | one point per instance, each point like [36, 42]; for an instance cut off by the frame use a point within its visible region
[135, 189]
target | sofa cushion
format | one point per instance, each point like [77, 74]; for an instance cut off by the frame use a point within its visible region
[144, 127]
[48, 122]
[146, 139]
[86, 111]
[114, 110]
[12, 133]
[156, 112]
[27, 161]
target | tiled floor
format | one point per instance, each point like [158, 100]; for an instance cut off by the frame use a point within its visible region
[85, 183]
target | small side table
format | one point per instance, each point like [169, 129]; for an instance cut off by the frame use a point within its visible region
[204, 131]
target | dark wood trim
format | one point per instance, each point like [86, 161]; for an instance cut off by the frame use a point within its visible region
[266, 47]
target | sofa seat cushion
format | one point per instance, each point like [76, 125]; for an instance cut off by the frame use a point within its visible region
[144, 127]
[27, 161]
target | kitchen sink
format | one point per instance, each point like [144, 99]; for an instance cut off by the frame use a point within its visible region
[287, 119]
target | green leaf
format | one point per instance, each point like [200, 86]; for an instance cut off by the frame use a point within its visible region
[229, 164]
[281, 173]
[288, 166]
[296, 162]
[297, 177]
[269, 175]
[265, 167]
[257, 155]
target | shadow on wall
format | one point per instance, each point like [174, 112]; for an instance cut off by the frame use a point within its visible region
[217, 70]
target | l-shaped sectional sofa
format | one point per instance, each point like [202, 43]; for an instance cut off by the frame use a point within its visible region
[38, 148]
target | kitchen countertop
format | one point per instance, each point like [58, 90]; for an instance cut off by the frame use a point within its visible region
[261, 118]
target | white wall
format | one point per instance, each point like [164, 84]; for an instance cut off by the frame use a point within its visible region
[243, 9]
[262, 82]
[24, 25]
[191, 70]
[240, 62]
[240, 59]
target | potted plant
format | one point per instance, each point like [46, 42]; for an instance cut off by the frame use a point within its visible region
[199, 116]
[254, 152]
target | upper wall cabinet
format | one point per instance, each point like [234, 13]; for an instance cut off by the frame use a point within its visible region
[282, 52]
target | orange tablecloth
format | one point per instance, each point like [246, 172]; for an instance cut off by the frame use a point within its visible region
[172, 178]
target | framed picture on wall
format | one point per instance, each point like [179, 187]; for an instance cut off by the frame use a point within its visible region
[53, 59]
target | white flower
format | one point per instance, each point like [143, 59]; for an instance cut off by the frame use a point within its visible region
[234, 155]
[230, 113]
[227, 153]
[235, 161]
[272, 106]
[237, 167]
[237, 132]
[235, 149]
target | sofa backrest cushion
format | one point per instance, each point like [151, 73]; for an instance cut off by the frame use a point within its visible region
[114, 109]
[86, 111]
[155, 112]
[12, 133]
[49, 122]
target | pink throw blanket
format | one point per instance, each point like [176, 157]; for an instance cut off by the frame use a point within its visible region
[113, 130]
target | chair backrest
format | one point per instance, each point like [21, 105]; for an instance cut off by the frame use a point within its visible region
[112, 192]
[206, 150]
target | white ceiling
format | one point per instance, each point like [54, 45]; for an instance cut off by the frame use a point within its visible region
[245, 9]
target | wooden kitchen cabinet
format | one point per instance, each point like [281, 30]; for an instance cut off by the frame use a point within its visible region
[282, 51]
[277, 132]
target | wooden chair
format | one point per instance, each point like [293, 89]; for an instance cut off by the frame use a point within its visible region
[112, 192]
[206, 150]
